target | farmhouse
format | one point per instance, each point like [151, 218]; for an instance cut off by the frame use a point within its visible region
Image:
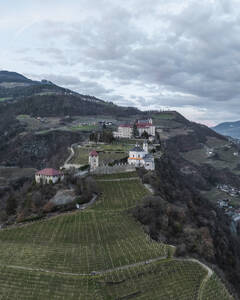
[139, 157]
[48, 175]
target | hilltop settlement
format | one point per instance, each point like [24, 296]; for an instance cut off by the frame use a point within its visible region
[138, 154]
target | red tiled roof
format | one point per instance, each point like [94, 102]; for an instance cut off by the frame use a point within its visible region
[49, 172]
[144, 125]
[93, 153]
[125, 125]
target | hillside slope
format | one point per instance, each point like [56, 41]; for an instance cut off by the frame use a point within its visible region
[6, 76]
[99, 253]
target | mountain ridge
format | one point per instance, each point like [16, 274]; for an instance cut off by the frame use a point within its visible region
[231, 129]
[8, 76]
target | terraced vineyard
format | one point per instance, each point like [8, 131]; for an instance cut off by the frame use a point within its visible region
[214, 289]
[98, 253]
[116, 176]
[162, 280]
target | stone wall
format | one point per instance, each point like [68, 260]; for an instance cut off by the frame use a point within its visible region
[120, 168]
[71, 166]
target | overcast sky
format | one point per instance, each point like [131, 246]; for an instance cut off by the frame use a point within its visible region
[152, 54]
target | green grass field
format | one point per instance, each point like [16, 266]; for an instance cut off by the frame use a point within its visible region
[84, 127]
[116, 176]
[55, 258]
[107, 153]
[225, 155]
[5, 99]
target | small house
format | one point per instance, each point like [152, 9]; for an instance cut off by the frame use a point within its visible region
[49, 175]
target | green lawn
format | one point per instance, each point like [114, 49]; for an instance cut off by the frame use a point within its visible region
[84, 127]
[163, 116]
[107, 153]
[22, 117]
[5, 99]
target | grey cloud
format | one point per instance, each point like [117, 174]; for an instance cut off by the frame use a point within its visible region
[74, 83]
[65, 80]
[183, 54]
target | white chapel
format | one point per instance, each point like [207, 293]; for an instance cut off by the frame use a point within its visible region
[140, 157]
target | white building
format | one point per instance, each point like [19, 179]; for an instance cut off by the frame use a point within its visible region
[139, 157]
[147, 126]
[49, 175]
[124, 131]
[93, 160]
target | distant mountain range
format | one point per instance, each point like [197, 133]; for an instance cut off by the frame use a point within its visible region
[229, 129]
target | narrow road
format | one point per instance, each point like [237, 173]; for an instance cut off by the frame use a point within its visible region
[87, 274]
[102, 272]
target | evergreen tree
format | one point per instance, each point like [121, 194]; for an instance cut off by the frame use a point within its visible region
[135, 130]
[11, 206]
[145, 135]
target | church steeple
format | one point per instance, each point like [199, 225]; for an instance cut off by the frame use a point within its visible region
[145, 146]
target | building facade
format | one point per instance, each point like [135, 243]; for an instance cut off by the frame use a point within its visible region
[139, 157]
[147, 126]
[124, 131]
[49, 175]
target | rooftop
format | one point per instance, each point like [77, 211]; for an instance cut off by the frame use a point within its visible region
[148, 158]
[125, 125]
[137, 148]
[93, 153]
[144, 125]
[49, 172]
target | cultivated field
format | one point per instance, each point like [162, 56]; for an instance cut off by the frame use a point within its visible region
[218, 153]
[214, 289]
[116, 176]
[84, 127]
[162, 280]
[98, 253]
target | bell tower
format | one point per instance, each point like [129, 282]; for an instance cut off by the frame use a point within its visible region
[145, 146]
[93, 160]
